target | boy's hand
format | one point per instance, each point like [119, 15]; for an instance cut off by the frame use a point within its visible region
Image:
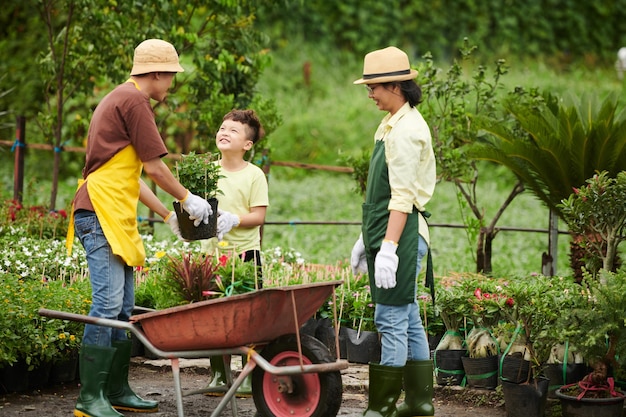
[225, 223]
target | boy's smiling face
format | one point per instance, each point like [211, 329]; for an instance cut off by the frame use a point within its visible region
[233, 136]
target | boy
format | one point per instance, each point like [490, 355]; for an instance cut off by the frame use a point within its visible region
[242, 207]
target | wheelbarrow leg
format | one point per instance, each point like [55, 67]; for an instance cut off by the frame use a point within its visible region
[230, 395]
[179, 393]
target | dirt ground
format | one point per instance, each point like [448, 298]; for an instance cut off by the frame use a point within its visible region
[156, 382]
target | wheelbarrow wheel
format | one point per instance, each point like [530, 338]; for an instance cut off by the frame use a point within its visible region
[304, 395]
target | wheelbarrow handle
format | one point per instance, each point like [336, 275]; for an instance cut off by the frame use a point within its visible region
[99, 321]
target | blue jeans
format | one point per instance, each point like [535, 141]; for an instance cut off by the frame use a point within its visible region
[403, 336]
[112, 281]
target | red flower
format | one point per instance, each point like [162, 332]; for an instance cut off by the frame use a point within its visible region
[478, 293]
[223, 260]
[510, 302]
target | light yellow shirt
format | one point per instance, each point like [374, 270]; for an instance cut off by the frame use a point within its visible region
[410, 160]
[241, 191]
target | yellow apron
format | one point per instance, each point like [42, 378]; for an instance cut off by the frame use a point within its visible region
[115, 204]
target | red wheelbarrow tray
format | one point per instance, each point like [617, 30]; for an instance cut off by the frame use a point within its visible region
[253, 318]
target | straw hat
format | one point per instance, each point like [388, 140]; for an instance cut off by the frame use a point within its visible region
[386, 65]
[155, 55]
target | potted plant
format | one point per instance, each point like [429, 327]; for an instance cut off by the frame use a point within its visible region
[200, 174]
[598, 330]
[451, 307]
[485, 305]
[532, 311]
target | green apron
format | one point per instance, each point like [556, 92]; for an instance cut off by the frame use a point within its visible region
[375, 219]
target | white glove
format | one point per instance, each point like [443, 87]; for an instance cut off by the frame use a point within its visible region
[225, 222]
[358, 259]
[198, 208]
[172, 221]
[386, 265]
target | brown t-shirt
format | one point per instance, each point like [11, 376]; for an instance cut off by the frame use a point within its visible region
[123, 117]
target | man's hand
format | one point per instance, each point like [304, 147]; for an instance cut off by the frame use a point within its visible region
[172, 221]
[386, 265]
[198, 208]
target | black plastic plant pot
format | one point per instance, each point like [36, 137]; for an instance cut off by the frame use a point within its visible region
[203, 231]
[590, 407]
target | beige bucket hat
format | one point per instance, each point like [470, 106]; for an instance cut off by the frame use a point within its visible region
[386, 65]
[155, 55]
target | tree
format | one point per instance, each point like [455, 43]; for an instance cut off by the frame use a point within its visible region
[89, 49]
[453, 105]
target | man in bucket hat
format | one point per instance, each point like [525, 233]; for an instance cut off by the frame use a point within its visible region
[123, 140]
[394, 239]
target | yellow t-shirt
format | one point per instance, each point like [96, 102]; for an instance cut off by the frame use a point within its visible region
[242, 190]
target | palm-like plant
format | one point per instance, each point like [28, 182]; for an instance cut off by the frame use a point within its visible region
[554, 148]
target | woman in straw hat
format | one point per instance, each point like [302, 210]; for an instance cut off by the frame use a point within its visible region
[394, 238]
[123, 141]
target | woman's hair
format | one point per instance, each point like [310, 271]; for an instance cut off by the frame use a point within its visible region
[411, 91]
[247, 117]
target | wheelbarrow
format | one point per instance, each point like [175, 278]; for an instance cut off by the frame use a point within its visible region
[293, 374]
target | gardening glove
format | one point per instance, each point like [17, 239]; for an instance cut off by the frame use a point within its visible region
[358, 260]
[198, 208]
[225, 222]
[386, 265]
[172, 221]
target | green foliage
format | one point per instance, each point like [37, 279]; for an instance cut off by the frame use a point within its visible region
[560, 29]
[596, 326]
[30, 337]
[199, 173]
[554, 147]
[597, 213]
[360, 166]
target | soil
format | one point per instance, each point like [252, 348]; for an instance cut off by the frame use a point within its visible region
[155, 381]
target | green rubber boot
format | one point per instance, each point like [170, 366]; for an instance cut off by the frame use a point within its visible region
[217, 387]
[418, 390]
[385, 387]
[119, 392]
[245, 389]
[95, 364]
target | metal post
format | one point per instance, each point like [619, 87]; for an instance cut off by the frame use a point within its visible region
[549, 261]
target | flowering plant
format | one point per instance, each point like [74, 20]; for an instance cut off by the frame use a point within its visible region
[33, 221]
[34, 339]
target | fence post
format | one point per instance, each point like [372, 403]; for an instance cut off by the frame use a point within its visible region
[548, 264]
[19, 147]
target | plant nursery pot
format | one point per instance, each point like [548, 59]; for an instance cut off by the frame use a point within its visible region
[14, 378]
[64, 370]
[514, 369]
[563, 374]
[526, 399]
[203, 231]
[325, 332]
[481, 372]
[39, 376]
[590, 407]
[449, 366]
[362, 347]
